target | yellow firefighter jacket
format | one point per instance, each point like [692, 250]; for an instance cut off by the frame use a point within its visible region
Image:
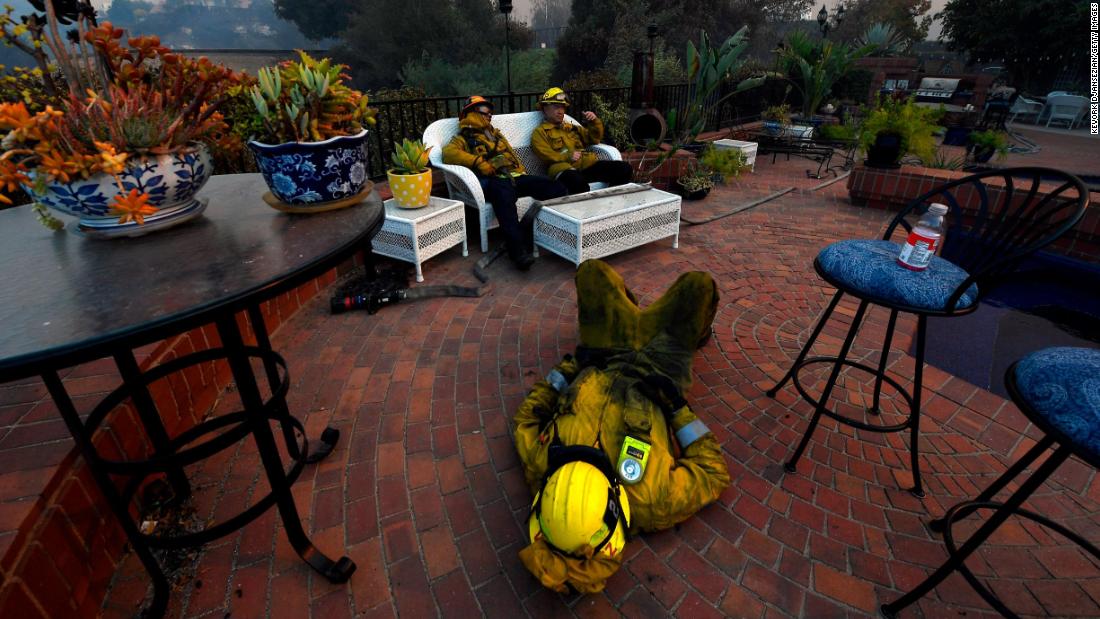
[477, 143]
[555, 145]
[608, 399]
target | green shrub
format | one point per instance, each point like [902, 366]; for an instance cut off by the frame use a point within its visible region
[723, 162]
[836, 132]
[915, 126]
[615, 121]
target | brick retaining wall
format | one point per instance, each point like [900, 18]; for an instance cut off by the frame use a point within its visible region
[59, 544]
[892, 189]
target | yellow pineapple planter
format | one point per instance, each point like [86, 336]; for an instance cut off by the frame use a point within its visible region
[410, 179]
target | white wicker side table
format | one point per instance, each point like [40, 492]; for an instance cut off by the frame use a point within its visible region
[414, 235]
[608, 224]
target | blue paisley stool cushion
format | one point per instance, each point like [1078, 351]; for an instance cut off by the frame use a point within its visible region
[1062, 385]
[871, 269]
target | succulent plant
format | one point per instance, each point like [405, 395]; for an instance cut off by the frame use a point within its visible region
[307, 100]
[410, 157]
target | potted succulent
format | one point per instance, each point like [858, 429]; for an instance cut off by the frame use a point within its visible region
[984, 144]
[897, 128]
[312, 150]
[696, 183]
[410, 177]
[122, 139]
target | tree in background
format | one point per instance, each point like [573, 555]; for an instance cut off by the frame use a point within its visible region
[318, 19]
[909, 19]
[601, 33]
[378, 38]
[1035, 38]
[531, 69]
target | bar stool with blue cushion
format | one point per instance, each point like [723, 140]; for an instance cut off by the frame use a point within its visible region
[1058, 389]
[996, 219]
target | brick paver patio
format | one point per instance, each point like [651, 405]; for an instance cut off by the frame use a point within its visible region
[425, 492]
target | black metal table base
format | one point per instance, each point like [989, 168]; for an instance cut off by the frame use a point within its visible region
[912, 398]
[171, 455]
[957, 555]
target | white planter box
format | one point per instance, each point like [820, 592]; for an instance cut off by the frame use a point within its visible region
[414, 235]
[801, 132]
[748, 150]
[608, 224]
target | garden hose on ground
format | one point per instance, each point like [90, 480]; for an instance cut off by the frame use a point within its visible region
[737, 209]
[373, 289]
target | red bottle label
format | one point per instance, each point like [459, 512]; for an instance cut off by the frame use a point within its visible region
[917, 251]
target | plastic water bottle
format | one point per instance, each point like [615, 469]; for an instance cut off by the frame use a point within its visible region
[924, 239]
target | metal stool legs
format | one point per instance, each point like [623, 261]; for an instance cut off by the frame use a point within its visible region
[809, 344]
[958, 556]
[822, 403]
[911, 423]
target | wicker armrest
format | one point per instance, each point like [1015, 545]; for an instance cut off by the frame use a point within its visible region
[606, 152]
[463, 184]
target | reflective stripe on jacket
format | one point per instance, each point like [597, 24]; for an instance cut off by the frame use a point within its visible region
[477, 142]
[608, 399]
[555, 145]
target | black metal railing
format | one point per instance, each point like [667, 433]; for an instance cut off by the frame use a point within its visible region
[407, 118]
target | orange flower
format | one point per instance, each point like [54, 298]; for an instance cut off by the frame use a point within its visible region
[14, 116]
[110, 160]
[58, 165]
[132, 207]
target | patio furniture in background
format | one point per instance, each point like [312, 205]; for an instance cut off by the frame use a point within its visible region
[213, 270]
[1069, 109]
[1025, 107]
[462, 184]
[1057, 389]
[607, 222]
[786, 144]
[992, 227]
[415, 235]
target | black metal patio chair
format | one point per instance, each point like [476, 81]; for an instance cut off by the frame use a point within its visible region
[1058, 390]
[996, 219]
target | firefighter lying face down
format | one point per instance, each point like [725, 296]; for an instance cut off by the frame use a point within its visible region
[608, 444]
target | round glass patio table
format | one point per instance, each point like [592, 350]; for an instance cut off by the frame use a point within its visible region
[68, 299]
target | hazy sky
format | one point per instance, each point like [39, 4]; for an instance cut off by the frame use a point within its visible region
[523, 9]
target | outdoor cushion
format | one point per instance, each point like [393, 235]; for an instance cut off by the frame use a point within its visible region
[1062, 385]
[871, 269]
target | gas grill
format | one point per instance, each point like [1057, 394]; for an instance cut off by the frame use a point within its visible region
[936, 89]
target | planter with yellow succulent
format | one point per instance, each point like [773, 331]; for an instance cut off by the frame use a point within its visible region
[410, 178]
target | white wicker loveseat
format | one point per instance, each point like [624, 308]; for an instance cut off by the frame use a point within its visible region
[463, 185]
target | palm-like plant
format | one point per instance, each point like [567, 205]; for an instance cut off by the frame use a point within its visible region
[886, 40]
[815, 67]
[708, 67]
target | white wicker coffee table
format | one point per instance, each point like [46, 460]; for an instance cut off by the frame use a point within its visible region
[415, 235]
[604, 224]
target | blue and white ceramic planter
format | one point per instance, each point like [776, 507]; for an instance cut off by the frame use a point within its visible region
[314, 173]
[171, 180]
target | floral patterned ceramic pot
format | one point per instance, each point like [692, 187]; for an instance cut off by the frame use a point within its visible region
[170, 180]
[314, 173]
